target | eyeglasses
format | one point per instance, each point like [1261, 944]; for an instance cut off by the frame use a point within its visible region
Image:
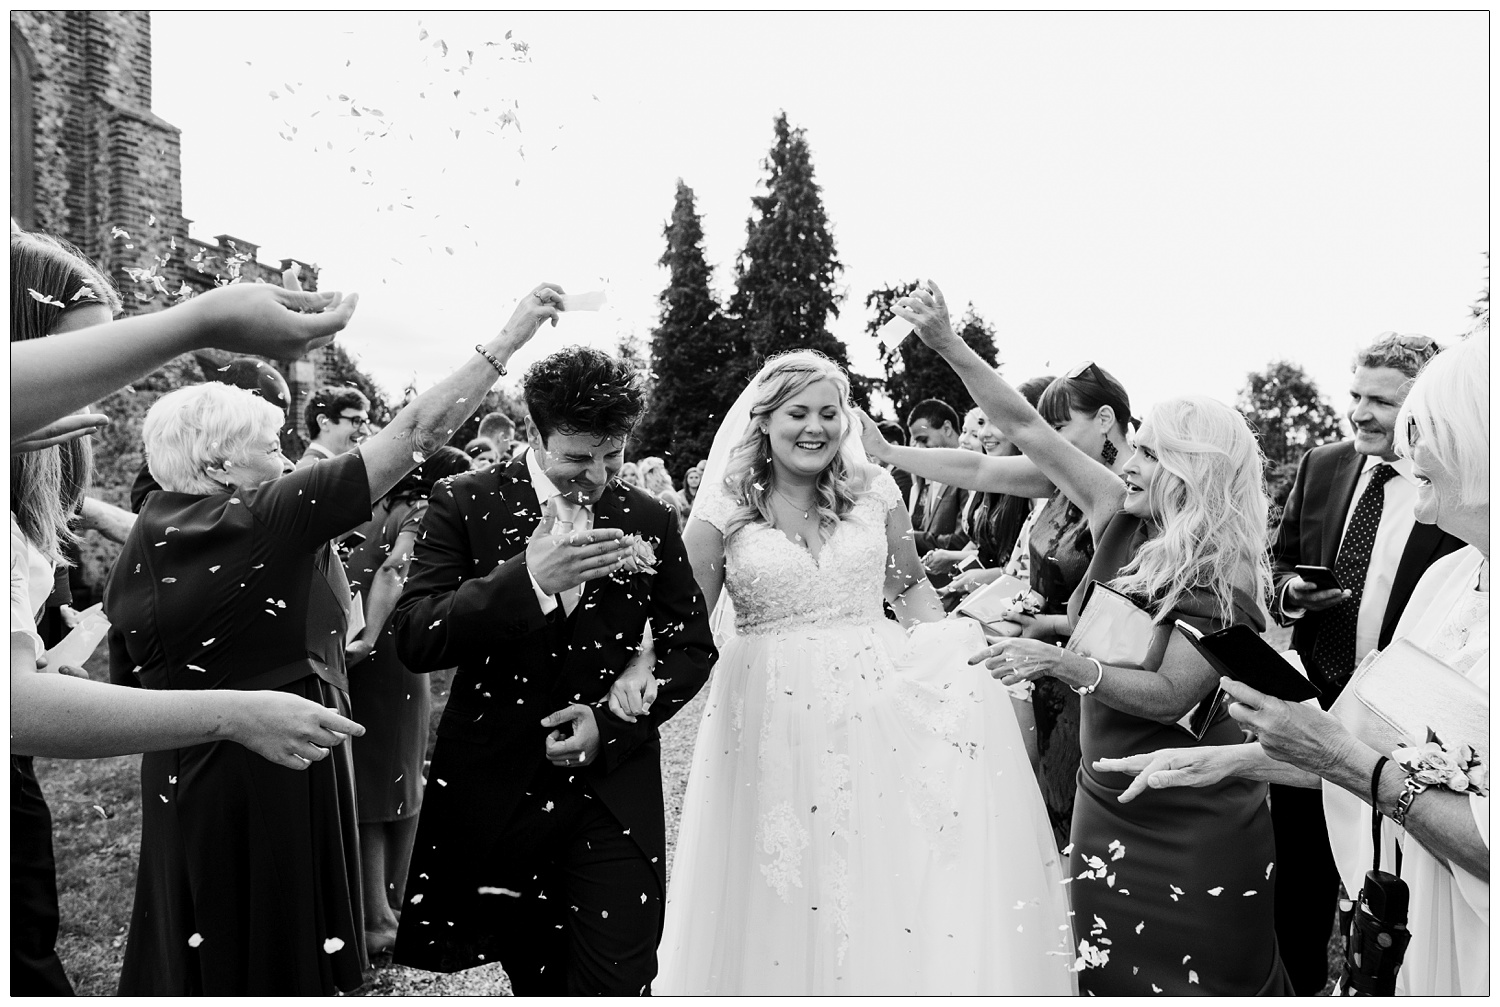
[358, 422]
[1411, 431]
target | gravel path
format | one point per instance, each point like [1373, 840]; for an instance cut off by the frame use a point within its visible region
[385, 979]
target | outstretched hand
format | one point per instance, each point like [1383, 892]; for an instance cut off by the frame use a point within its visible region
[69, 428]
[869, 434]
[926, 309]
[268, 320]
[289, 730]
[544, 303]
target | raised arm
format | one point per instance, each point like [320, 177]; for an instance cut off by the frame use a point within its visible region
[429, 420]
[57, 375]
[1094, 488]
[970, 470]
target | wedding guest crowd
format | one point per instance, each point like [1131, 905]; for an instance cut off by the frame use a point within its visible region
[566, 585]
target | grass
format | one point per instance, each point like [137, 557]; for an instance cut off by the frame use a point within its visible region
[96, 825]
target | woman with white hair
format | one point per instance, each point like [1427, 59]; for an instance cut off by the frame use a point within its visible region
[249, 875]
[1178, 887]
[1437, 818]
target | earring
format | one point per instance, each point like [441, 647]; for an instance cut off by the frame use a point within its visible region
[1109, 452]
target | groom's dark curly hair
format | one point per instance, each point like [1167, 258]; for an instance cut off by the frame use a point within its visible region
[580, 390]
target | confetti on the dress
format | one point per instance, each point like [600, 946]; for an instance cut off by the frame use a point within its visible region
[1216, 891]
[332, 944]
[487, 890]
[1117, 848]
[1067, 849]
[1251, 892]
[1192, 976]
[1268, 869]
[195, 940]
[1140, 926]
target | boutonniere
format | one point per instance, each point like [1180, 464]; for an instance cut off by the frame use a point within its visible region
[640, 559]
[1452, 767]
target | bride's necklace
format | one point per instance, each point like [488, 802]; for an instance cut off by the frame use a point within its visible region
[806, 509]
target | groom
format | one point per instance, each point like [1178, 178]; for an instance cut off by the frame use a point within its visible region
[541, 843]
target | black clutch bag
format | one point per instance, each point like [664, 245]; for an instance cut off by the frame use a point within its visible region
[1238, 652]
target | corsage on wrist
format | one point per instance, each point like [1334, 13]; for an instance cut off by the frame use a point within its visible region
[1435, 764]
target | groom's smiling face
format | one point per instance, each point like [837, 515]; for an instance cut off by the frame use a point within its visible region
[579, 465]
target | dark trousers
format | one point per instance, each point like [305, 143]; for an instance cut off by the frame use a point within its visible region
[1307, 886]
[34, 967]
[581, 904]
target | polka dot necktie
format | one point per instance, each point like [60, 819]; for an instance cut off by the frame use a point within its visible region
[1333, 653]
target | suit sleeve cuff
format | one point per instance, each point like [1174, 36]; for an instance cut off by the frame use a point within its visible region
[1287, 611]
[548, 602]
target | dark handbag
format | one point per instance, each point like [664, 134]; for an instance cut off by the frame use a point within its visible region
[1375, 934]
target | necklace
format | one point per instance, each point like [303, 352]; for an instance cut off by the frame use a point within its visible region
[806, 509]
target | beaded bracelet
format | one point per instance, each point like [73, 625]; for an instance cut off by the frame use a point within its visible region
[486, 354]
[1086, 689]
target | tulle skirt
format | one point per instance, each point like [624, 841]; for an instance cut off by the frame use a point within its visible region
[861, 818]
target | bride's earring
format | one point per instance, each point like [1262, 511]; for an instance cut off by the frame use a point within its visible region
[1109, 452]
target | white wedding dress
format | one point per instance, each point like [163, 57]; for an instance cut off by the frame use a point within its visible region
[860, 816]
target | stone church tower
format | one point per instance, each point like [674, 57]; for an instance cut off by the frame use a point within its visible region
[91, 163]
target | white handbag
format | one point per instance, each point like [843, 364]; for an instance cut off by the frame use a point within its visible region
[1398, 694]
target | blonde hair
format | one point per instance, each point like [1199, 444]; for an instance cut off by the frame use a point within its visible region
[193, 428]
[46, 487]
[1449, 404]
[1208, 497]
[654, 476]
[749, 478]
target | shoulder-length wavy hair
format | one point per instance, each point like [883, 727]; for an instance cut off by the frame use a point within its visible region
[1208, 498]
[749, 477]
[1448, 411]
[47, 278]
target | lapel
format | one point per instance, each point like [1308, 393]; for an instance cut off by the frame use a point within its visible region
[935, 508]
[1340, 499]
[1426, 544]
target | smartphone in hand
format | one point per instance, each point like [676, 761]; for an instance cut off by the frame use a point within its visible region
[1319, 577]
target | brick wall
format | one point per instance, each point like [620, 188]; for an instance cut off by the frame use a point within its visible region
[106, 172]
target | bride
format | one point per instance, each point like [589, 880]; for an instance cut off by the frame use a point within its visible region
[860, 816]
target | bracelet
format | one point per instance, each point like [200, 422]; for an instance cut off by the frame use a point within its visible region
[1409, 793]
[1375, 782]
[494, 362]
[1085, 690]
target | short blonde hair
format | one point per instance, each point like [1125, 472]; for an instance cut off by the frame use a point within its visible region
[1449, 406]
[193, 428]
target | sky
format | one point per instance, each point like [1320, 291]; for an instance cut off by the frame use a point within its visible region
[1180, 197]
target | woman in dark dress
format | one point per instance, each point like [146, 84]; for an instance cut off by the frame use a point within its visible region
[1180, 888]
[1091, 411]
[392, 703]
[249, 880]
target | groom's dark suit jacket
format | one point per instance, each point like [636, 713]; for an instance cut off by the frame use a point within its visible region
[469, 603]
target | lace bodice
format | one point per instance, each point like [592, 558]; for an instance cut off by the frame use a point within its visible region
[777, 585]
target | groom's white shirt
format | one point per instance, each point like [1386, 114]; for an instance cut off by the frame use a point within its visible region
[583, 520]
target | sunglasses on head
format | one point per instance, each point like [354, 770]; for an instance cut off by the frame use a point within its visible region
[1086, 369]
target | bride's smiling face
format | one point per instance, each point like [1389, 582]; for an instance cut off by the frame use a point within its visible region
[805, 430]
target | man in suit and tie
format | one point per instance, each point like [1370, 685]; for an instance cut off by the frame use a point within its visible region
[1350, 509]
[337, 420]
[936, 509]
[542, 840]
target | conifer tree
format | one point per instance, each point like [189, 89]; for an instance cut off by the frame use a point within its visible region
[784, 286]
[691, 352]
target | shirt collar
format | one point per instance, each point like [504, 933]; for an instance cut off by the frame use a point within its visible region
[319, 449]
[545, 490]
[1402, 466]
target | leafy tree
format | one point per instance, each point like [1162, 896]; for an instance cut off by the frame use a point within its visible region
[1290, 416]
[784, 284]
[913, 371]
[1480, 309]
[694, 352]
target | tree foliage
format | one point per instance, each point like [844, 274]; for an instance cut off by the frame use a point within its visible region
[1290, 416]
[785, 276]
[914, 372]
[693, 352]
